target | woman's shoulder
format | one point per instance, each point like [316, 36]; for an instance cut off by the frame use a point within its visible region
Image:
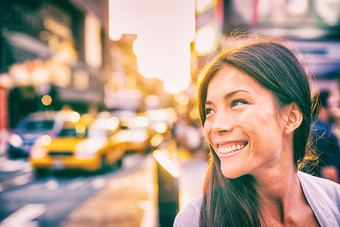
[330, 187]
[189, 215]
[324, 198]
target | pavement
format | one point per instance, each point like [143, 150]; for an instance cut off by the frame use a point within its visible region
[14, 172]
[130, 199]
[133, 201]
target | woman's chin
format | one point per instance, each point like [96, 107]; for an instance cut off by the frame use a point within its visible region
[230, 174]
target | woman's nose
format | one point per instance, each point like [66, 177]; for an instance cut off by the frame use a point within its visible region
[222, 123]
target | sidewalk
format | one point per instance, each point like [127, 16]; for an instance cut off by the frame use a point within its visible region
[127, 201]
[131, 201]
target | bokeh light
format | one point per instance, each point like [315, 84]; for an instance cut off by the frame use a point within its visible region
[74, 116]
[45, 140]
[46, 100]
[80, 129]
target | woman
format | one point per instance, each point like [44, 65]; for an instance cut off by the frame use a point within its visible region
[255, 108]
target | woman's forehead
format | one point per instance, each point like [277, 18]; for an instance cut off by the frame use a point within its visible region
[229, 78]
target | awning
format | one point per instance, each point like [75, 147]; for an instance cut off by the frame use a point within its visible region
[25, 47]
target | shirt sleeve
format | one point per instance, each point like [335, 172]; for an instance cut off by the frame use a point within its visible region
[190, 214]
[323, 197]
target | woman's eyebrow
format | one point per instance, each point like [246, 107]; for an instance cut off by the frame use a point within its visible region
[230, 94]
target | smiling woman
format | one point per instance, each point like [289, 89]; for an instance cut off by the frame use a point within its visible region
[230, 125]
[255, 107]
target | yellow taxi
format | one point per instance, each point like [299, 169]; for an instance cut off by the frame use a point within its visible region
[78, 146]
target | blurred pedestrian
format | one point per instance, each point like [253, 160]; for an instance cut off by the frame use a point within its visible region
[326, 143]
[179, 131]
[188, 136]
[255, 108]
[336, 125]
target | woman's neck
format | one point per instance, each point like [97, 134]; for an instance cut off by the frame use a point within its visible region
[278, 186]
[282, 201]
[280, 190]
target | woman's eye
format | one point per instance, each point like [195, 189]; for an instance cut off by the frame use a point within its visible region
[238, 102]
[208, 111]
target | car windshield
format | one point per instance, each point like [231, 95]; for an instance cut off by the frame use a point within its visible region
[37, 125]
[71, 132]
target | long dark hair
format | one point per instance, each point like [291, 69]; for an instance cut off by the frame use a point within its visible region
[234, 202]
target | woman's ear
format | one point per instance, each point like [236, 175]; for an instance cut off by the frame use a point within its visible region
[292, 118]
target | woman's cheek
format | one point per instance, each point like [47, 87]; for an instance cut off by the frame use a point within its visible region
[207, 130]
[244, 116]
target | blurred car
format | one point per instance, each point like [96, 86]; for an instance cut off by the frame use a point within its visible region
[78, 146]
[28, 131]
[134, 135]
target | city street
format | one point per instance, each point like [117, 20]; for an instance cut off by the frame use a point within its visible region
[105, 106]
[122, 197]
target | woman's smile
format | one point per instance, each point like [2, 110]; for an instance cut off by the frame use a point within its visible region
[230, 148]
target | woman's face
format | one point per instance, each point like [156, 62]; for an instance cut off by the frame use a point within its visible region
[242, 123]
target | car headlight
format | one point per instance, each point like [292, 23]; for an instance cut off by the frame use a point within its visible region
[87, 149]
[45, 140]
[38, 151]
[15, 140]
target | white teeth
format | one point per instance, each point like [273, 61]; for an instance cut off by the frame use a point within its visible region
[226, 150]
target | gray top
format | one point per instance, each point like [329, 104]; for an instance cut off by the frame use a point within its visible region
[322, 195]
